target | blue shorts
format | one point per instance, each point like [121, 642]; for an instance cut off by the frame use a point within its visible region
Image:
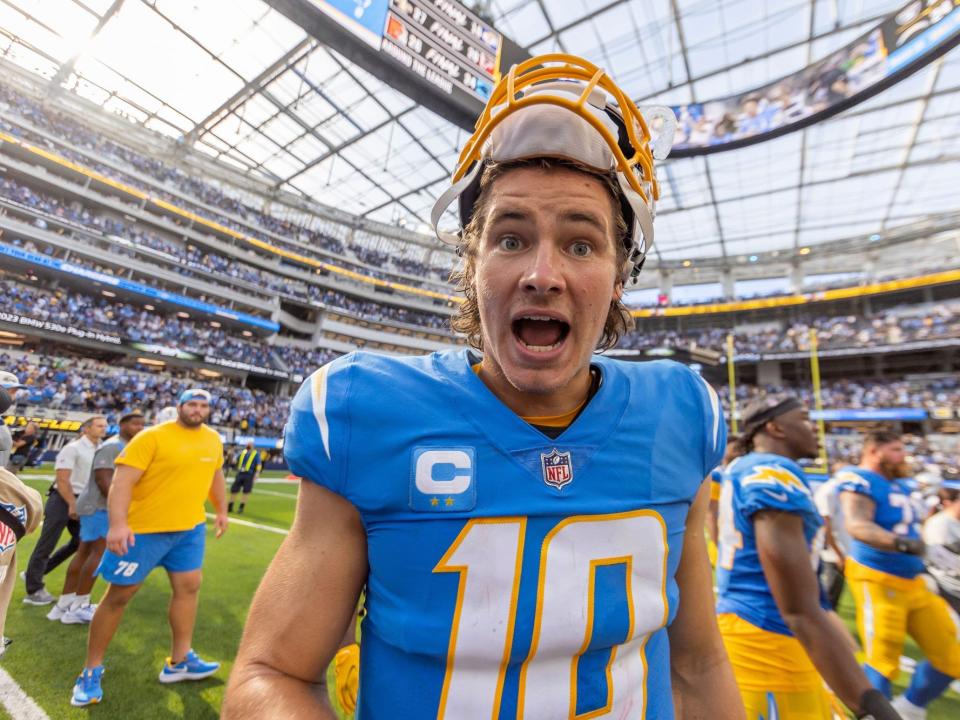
[95, 526]
[174, 551]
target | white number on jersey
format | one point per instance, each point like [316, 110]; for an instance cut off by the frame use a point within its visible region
[488, 556]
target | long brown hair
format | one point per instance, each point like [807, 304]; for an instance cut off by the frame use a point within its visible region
[467, 319]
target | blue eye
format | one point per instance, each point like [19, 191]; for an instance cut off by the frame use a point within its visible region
[581, 249]
[509, 242]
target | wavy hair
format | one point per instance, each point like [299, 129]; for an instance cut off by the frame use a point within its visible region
[467, 318]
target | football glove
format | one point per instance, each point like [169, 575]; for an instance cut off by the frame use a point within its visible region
[346, 668]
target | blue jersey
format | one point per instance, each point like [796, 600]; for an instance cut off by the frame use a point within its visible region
[510, 575]
[754, 482]
[895, 511]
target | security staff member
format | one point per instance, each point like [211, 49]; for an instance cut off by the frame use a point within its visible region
[248, 467]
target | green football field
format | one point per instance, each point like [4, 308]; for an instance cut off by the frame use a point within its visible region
[45, 656]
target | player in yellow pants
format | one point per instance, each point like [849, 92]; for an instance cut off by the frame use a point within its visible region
[759, 658]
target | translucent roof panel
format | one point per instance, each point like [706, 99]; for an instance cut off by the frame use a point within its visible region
[251, 88]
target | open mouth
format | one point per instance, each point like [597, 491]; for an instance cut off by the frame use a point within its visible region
[540, 333]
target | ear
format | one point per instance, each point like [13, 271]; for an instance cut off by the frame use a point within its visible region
[774, 430]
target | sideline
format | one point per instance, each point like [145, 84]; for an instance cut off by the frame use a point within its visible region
[20, 705]
[247, 523]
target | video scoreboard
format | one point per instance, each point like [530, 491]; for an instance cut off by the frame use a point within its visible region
[438, 52]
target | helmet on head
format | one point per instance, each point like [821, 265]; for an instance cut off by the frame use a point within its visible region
[560, 106]
[9, 381]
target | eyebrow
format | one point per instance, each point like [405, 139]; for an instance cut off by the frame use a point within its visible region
[571, 216]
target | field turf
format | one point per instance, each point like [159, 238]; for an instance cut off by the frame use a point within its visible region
[45, 657]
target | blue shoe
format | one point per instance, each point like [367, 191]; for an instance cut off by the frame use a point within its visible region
[192, 668]
[87, 690]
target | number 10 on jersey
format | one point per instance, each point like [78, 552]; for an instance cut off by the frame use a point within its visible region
[488, 555]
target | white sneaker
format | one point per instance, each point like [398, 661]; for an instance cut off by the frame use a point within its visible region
[81, 616]
[907, 710]
[56, 613]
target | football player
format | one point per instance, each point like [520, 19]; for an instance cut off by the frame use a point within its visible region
[525, 520]
[783, 644]
[884, 570]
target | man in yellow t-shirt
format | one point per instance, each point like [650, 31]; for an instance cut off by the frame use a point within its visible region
[157, 517]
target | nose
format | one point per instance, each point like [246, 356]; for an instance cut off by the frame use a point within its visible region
[544, 273]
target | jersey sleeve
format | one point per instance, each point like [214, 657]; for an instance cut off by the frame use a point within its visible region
[317, 432]
[139, 452]
[713, 424]
[106, 456]
[772, 487]
[65, 458]
[849, 481]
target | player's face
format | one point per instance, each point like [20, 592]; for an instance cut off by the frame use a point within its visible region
[132, 426]
[545, 278]
[801, 433]
[892, 458]
[96, 428]
[193, 412]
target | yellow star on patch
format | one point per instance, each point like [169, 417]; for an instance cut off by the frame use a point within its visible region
[434, 502]
[448, 502]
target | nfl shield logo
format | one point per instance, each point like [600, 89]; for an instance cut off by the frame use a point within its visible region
[557, 468]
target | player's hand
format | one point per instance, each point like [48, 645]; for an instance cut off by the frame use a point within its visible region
[942, 558]
[346, 665]
[120, 539]
[221, 523]
[72, 512]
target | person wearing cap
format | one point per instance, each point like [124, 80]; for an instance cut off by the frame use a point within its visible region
[527, 515]
[74, 607]
[780, 639]
[157, 518]
[72, 471]
[943, 528]
[21, 508]
[885, 574]
[9, 383]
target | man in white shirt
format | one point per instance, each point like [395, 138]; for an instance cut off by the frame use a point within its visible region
[72, 468]
[836, 543]
[944, 529]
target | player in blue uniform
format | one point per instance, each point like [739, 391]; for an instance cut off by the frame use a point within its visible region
[884, 574]
[525, 521]
[780, 639]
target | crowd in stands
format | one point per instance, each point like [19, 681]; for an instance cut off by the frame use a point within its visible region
[909, 323]
[191, 261]
[92, 386]
[864, 393]
[210, 201]
[73, 309]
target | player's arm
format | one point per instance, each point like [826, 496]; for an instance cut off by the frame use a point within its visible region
[119, 536]
[300, 613]
[787, 568]
[218, 498]
[702, 679]
[859, 512]
[103, 477]
[62, 479]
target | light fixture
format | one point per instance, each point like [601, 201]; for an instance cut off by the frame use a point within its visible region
[247, 333]
[754, 258]
[151, 361]
[149, 307]
[182, 314]
[804, 251]
[107, 293]
[687, 263]
[208, 373]
[214, 323]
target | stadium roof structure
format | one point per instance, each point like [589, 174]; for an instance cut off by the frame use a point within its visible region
[242, 83]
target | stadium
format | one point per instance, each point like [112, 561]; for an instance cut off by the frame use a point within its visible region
[229, 197]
